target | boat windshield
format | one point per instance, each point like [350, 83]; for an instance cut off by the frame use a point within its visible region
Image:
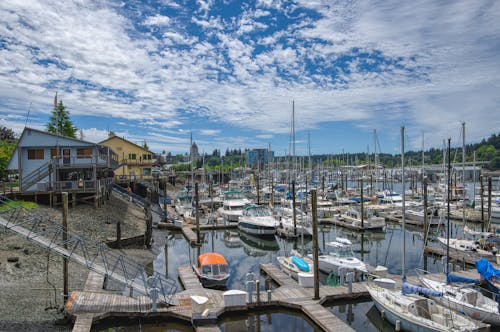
[258, 212]
[233, 195]
[340, 249]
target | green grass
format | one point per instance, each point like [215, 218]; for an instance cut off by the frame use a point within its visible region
[14, 204]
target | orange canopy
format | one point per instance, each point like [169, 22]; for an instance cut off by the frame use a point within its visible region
[211, 258]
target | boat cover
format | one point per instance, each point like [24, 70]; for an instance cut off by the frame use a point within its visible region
[455, 278]
[413, 289]
[486, 270]
[300, 263]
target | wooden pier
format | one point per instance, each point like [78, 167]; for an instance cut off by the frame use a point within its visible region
[94, 303]
[455, 256]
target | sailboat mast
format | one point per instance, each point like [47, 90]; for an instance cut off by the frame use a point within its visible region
[375, 160]
[404, 194]
[423, 163]
[293, 141]
[448, 212]
[463, 172]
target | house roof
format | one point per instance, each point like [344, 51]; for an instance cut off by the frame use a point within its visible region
[124, 140]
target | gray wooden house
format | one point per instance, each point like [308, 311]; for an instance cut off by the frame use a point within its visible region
[49, 163]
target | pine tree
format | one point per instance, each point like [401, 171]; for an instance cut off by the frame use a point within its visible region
[60, 123]
[6, 134]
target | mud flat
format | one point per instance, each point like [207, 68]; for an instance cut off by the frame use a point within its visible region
[31, 279]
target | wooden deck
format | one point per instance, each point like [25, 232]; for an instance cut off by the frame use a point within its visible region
[455, 256]
[93, 303]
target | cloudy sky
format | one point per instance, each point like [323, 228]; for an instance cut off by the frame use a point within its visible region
[228, 71]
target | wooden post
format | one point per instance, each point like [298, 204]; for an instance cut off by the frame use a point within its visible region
[481, 191]
[149, 221]
[118, 232]
[371, 184]
[362, 205]
[293, 207]
[426, 221]
[489, 203]
[65, 239]
[197, 213]
[165, 199]
[315, 244]
[258, 188]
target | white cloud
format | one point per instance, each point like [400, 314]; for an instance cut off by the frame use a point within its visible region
[159, 20]
[427, 65]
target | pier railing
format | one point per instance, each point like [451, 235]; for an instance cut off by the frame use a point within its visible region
[96, 256]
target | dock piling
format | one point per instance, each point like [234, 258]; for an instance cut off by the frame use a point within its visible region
[350, 278]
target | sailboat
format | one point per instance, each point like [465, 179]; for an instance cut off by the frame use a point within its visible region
[457, 291]
[410, 310]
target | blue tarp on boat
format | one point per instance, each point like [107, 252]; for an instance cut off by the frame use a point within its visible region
[413, 289]
[455, 278]
[300, 263]
[486, 270]
[358, 199]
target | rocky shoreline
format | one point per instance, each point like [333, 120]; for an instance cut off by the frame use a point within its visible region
[31, 278]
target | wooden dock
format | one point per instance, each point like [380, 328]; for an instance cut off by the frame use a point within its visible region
[83, 322]
[455, 256]
[94, 303]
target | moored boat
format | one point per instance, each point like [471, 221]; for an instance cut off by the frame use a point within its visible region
[212, 270]
[258, 220]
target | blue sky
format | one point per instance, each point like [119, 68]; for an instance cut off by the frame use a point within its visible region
[228, 71]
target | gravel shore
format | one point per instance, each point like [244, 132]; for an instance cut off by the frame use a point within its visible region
[31, 287]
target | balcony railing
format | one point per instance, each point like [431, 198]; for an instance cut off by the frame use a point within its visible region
[82, 185]
[135, 162]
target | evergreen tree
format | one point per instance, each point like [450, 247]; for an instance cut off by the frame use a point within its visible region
[6, 134]
[60, 123]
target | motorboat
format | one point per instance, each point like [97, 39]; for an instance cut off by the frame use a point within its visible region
[295, 264]
[353, 217]
[212, 270]
[233, 204]
[303, 222]
[258, 220]
[468, 247]
[340, 255]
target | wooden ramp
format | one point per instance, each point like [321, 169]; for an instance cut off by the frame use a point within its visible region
[83, 322]
[188, 278]
[189, 234]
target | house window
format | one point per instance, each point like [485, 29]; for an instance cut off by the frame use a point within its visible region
[84, 152]
[35, 154]
[146, 157]
[132, 156]
[146, 171]
[54, 153]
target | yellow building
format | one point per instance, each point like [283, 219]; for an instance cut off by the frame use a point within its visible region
[135, 161]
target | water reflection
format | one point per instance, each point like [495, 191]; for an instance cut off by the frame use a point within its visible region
[245, 253]
[361, 316]
[276, 321]
[258, 246]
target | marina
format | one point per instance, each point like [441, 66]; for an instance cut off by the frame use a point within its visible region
[255, 257]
